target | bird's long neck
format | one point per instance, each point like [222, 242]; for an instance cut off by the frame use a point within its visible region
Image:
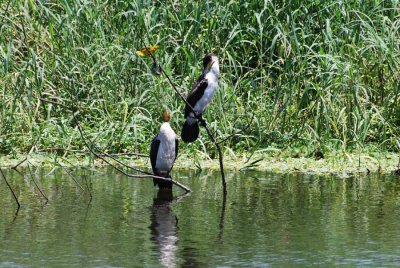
[212, 75]
[213, 71]
[166, 131]
[165, 127]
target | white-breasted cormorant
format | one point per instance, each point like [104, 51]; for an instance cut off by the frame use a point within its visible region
[200, 96]
[163, 152]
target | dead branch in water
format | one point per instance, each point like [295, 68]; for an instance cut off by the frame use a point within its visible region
[11, 189]
[33, 179]
[70, 175]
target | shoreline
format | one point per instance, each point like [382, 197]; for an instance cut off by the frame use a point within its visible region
[335, 164]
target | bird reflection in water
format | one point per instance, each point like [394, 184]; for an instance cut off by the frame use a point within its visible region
[164, 228]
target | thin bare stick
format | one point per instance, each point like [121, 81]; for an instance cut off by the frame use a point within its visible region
[52, 149]
[12, 191]
[221, 161]
[108, 155]
[19, 163]
[33, 179]
[99, 155]
[69, 174]
[125, 165]
[126, 154]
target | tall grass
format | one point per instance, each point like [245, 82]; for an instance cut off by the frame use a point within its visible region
[320, 75]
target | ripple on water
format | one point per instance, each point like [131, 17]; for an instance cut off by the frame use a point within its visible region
[269, 220]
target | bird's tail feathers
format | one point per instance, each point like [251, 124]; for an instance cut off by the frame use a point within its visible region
[190, 130]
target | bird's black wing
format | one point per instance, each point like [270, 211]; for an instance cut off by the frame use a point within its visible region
[195, 94]
[155, 143]
[201, 77]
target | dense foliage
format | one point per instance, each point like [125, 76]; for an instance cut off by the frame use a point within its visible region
[317, 75]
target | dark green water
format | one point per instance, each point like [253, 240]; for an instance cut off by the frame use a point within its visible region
[269, 220]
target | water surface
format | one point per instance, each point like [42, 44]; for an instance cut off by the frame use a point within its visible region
[269, 220]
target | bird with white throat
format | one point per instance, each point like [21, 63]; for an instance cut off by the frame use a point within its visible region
[200, 97]
[163, 152]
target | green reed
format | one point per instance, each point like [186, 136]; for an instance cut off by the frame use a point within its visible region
[313, 75]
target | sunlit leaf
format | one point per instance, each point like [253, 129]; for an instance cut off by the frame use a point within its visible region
[146, 51]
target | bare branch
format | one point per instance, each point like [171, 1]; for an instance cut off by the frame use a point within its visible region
[19, 163]
[69, 174]
[221, 161]
[33, 179]
[126, 154]
[12, 191]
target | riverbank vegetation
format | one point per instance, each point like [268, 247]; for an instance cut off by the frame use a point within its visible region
[299, 78]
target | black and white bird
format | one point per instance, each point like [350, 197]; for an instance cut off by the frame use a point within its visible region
[200, 96]
[163, 152]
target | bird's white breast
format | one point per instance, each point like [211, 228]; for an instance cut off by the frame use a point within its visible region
[212, 81]
[166, 150]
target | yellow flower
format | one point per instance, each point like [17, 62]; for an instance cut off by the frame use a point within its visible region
[146, 51]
